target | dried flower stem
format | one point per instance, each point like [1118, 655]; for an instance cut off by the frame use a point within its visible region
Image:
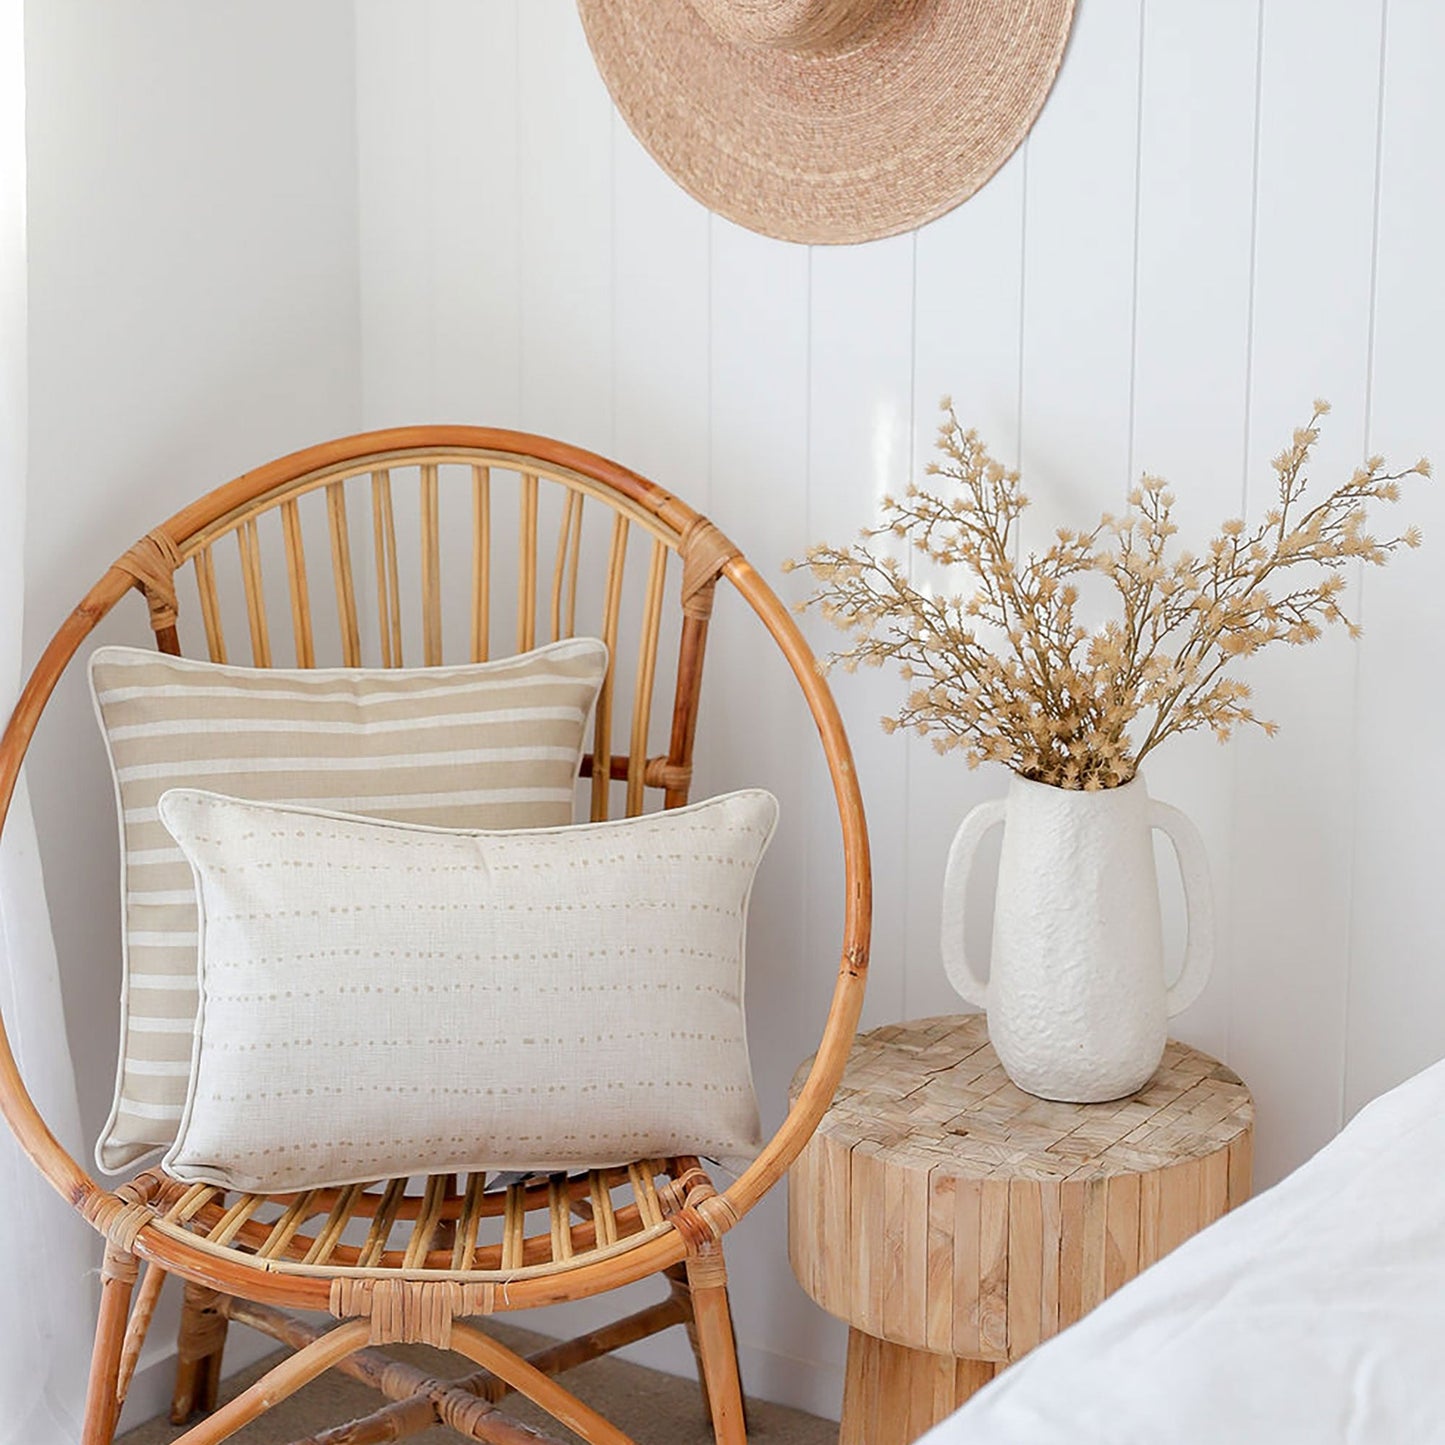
[1007, 672]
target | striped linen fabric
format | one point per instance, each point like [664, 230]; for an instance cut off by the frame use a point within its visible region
[483, 745]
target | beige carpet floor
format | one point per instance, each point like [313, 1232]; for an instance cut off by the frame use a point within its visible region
[655, 1409]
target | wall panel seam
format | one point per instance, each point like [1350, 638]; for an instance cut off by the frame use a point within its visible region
[1356, 699]
[1134, 294]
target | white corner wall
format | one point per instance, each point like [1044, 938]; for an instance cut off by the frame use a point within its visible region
[255, 224]
[194, 310]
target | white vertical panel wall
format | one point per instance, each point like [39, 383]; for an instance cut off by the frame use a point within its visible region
[193, 300]
[1317, 153]
[1223, 212]
[1395, 999]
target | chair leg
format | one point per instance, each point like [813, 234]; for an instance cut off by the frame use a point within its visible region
[201, 1343]
[102, 1404]
[677, 1280]
[141, 1314]
[708, 1285]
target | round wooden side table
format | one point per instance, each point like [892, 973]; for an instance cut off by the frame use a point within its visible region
[955, 1222]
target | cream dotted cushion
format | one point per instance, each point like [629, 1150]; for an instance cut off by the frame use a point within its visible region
[380, 999]
[482, 745]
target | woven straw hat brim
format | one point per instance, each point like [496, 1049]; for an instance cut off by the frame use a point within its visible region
[836, 147]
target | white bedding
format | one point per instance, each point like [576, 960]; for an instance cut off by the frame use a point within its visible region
[1313, 1315]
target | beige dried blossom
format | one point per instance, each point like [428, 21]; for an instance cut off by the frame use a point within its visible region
[1006, 672]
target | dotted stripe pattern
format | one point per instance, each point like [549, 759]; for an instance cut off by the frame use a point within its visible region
[331, 1048]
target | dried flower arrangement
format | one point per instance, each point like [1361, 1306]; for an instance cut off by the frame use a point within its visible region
[1056, 702]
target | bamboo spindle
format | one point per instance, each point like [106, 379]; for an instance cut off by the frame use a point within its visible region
[210, 605]
[574, 564]
[567, 552]
[329, 1236]
[481, 563]
[248, 542]
[342, 575]
[602, 729]
[388, 588]
[288, 1226]
[464, 1246]
[431, 579]
[603, 1215]
[527, 567]
[235, 1218]
[646, 672]
[427, 1222]
[296, 578]
[559, 1218]
[381, 1224]
[514, 1224]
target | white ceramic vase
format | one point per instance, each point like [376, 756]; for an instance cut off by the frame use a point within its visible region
[1076, 999]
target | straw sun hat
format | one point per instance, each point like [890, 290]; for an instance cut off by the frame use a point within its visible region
[829, 120]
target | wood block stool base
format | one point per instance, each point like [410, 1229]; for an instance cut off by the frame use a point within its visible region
[892, 1394]
[940, 1206]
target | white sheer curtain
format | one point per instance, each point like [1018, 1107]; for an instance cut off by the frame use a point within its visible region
[46, 1297]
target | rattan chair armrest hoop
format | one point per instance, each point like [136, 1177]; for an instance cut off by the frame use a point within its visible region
[842, 1021]
[683, 1219]
[178, 537]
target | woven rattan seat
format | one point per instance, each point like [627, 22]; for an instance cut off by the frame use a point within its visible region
[445, 1224]
[398, 1260]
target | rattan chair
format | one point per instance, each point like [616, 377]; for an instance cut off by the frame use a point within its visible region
[393, 1262]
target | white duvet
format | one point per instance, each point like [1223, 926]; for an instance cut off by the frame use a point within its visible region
[1313, 1315]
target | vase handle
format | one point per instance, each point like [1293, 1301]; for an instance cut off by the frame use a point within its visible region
[960, 972]
[1198, 900]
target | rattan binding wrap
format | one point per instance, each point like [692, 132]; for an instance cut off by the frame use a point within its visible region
[153, 562]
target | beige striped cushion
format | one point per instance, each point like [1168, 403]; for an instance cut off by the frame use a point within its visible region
[486, 745]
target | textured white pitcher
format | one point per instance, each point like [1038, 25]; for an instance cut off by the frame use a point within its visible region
[1076, 1001]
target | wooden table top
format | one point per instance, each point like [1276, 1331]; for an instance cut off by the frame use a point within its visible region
[932, 1093]
[939, 1209]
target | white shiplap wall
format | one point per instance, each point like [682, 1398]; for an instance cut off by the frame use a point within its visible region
[1224, 211]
